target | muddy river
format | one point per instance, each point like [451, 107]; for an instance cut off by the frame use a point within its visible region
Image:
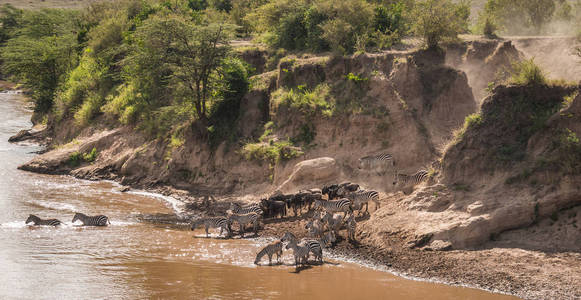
[133, 260]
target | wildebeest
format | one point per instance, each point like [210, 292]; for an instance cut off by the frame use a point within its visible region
[273, 208]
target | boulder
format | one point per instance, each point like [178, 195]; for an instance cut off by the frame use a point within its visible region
[312, 172]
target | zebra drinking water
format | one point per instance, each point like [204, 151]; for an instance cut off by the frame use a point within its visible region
[301, 252]
[333, 206]
[363, 197]
[314, 246]
[245, 219]
[38, 221]
[270, 250]
[402, 179]
[379, 162]
[215, 222]
[99, 220]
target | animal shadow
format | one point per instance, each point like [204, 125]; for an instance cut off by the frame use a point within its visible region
[299, 269]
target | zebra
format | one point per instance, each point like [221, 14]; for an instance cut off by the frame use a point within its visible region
[270, 250]
[333, 223]
[99, 220]
[253, 208]
[215, 222]
[244, 219]
[419, 176]
[315, 227]
[328, 239]
[314, 246]
[332, 206]
[38, 221]
[351, 226]
[301, 252]
[377, 162]
[363, 197]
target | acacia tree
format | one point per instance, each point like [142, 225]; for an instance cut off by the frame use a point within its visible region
[189, 55]
[435, 20]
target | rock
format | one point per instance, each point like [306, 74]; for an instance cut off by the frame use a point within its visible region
[124, 189]
[311, 172]
[22, 135]
[438, 245]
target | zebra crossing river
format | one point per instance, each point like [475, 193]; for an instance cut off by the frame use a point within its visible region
[132, 260]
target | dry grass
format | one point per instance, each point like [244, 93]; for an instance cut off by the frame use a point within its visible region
[38, 4]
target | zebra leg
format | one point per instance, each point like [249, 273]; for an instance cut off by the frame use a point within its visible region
[366, 207]
[207, 234]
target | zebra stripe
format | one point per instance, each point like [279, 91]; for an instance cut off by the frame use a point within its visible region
[99, 220]
[215, 222]
[328, 239]
[239, 210]
[314, 246]
[414, 179]
[360, 198]
[245, 219]
[332, 206]
[270, 250]
[38, 221]
[301, 252]
[376, 161]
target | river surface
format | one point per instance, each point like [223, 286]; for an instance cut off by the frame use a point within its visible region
[133, 260]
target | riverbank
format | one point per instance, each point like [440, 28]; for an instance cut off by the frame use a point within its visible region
[496, 266]
[499, 266]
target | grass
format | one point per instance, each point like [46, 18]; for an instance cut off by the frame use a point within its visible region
[526, 72]
[273, 152]
[76, 158]
[306, 101]
[38, 4]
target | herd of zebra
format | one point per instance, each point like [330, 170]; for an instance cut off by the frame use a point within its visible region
[330, 209]
[99, 220]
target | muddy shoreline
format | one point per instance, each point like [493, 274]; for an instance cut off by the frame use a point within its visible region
[492, 268]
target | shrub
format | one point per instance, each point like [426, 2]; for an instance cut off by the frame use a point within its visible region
[527, 72]
[272, 152]
[306, 101]
[90, 156]
[437, 20]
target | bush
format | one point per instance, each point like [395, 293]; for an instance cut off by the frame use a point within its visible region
[437, 20]
[527, 72]
[306, 101]
[272, 152]
[90, 156]
[519, 16]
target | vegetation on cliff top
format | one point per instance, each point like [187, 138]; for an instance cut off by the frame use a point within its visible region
[162, 65]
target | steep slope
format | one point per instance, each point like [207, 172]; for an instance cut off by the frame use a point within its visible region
[404, 103]
[514, 165]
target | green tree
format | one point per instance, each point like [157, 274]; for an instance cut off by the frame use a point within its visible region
[436, 20]
[515, 16]
[188, 54]
[41, 53]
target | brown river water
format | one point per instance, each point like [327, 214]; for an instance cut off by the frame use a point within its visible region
[133, 260]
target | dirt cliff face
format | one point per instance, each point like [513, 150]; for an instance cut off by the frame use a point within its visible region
[515, 165]
[406, 104]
